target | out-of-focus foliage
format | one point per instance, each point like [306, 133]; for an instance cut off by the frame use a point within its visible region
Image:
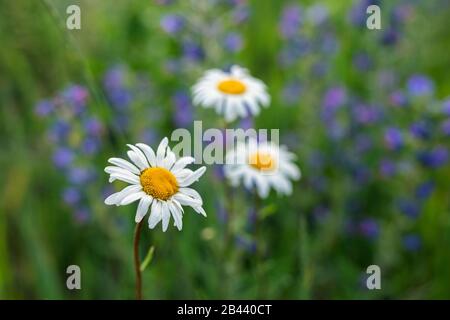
[367, 112]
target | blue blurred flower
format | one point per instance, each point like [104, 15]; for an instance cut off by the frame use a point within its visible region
[183, 115]
[44, 108]
[328, 43]
[246, 244]
[246, 123]
[393, 138]
[445, 127]
[369, 228]
[59, 131]
[390, 37]
[93, 126]
[222, 214]
[233, 42]
[363, 143]
[82, 215]
[421, 130]
[409, 208]
[240, 14]
[80, 175]
[446, 107]
[291, 92]
[358, 15]
[434, 158]
[420, 85]
[295, 49]
[91, 145]
[71, 196]
[76, 96]
[424, 190]
[290, 21]
[63, 157]
[172, 23]
[397, 99]
[114, 83]
[334, 98]
[387, 168]
[412, 242]
[149, 137]
[193, 51]
[317, 14]
[362, 61]
[400, 14]
[365, 114]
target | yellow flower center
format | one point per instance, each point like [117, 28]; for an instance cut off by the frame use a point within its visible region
[160, 183]
[232, 86]
[262, 161]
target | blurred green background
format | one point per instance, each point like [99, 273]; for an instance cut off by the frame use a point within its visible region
[364, 110]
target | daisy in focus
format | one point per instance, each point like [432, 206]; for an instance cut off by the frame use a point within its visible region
[233, 94]
[158, 181]
[261, 165]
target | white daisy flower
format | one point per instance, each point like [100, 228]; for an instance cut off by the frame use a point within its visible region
[159, 181]
[233, 94]
[261, 165]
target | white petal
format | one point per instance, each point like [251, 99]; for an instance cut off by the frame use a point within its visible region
[191, 193]
[155, 215]
[176, 214]
[262, 186]
[140, 154]
[115, 198]
[182, 163]
[200, 210]
[137, 160]
[169, 160]
[186, 200]
[130, 178]
[230, 113]
[161, 152]
[143, 208]
[132, 197]
[193, 177]
[182, 174]
[291, 170]
[283, 185]
[124, 164]
[114, 169]
[165, 216]
[178, 205]
[149, 153]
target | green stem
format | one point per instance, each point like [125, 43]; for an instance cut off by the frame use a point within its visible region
[261, 290]
[137, 265]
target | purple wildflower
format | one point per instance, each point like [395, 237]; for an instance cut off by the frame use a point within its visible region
[172, 23]
[412, 242]
[233, 42]
[63, 157]
[420, 85]
[290, 21]
[393, 138]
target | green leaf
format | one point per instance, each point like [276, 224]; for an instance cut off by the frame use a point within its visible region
[148, 258]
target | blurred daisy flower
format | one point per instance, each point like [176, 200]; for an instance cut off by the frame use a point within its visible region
[233, 94]
[261, 165]
[158, 181]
